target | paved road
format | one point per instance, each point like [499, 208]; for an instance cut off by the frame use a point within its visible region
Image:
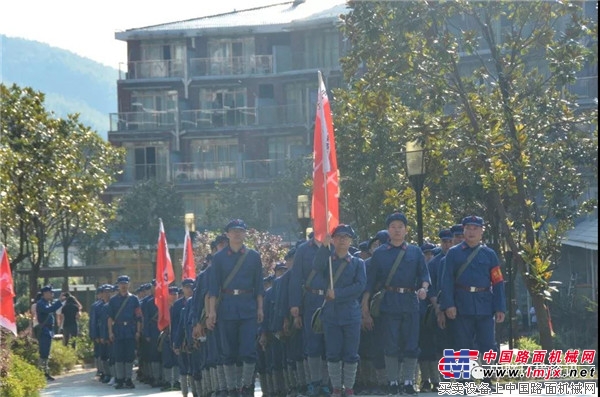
[83, 384]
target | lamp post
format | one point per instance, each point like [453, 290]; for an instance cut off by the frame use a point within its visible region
[415, 166]
[303, 213]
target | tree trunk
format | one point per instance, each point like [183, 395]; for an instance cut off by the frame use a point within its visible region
[65, 286]
[543, 323]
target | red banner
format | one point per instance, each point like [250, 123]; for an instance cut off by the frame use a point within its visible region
[164, 277]
[188, 266]
[7, 294]
[326, 192]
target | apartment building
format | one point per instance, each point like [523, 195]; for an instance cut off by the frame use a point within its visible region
[228, 97]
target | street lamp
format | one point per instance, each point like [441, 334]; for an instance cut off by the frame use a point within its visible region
[508, 256]
[303, 213]
[415, 166]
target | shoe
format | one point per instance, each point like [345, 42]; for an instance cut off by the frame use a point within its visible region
[325, 391]
[349, 392]
[336, 393]
[49, 377]
[312, 390]
[129, 384]
[119, 384]
[112, 381]
[409, 390]
[393, 389]
[425, 386]
[176, 386]
[105, 379]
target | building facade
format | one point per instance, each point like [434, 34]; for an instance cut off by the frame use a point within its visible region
[224, 98]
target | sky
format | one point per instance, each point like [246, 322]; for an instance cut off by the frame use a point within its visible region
[88, 28]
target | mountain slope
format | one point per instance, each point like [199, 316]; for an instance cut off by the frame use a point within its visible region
[72, 84]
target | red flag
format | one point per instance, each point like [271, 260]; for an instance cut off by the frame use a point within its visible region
[164, 277]
[7, 294]
[326, 192]
[188, 265]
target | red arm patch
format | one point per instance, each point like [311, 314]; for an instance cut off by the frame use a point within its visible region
[496, 275]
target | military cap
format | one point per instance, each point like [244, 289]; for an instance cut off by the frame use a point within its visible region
[290, 254]
[343, 229]
[213, 245]
[363, 246]
[280, 266]
[382, 236]
[472, 220]
[457, 229]
[445, 234]
[123, 279]
[188, 282]
[396, 216]
[236, 224]
[173, 289]
[46, 288]
[427, 247]
[437, 250]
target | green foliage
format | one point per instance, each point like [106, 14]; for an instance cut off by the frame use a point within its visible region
[84, 346]
[141, 207]
[26, 348]
[21, 379]
[62, 358]
[55, 171]
[528, 343]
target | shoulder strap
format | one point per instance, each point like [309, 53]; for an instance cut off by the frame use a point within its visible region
[122, 307]
[310, 277]
[339, 271]
[466, 264]
[235, 269]
[388, 280]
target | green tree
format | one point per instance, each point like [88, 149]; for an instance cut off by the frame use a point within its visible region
[139, 210]
[484, 87]
[43, 179]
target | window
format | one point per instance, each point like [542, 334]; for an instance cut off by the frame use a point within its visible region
[161, 59]
[145, 163]
[231, 56]
[224, 107]
[322, 50]
[152, 109]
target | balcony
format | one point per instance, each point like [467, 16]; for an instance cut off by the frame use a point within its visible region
[585, 87]
[248, 169]
[148, 120]
[202, 119]
[231, 66]
[140, 172]
[152, 69]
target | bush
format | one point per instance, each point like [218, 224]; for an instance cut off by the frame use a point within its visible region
[528, 343]
[26, 348]
[84, 349]
[62, 358]
[21, 379]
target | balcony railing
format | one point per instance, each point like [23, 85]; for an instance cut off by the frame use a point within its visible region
[248, 169]
[152, 69]
[254, 64]
[147, 120]
[211, 118]
[140, 172]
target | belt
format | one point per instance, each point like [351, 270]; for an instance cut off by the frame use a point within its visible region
[121, 323]
[400, 290]
[237, 291]
[471, 288]
[315, 291]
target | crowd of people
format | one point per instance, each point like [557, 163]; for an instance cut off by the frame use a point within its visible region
[331, 321]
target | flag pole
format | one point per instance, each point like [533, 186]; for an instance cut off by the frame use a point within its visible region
[323, 132]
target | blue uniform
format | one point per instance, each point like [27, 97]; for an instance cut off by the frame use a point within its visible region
[150, 329]
[124, 325]
[93, 325]
[294, 350]
[341, 317]
[399, 310]
[308, 297]
[183, 340]
[45, 314]
[238, 307]
[477, 293]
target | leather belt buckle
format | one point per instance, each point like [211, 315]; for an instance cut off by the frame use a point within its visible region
[401, 290]
[237, 292]
[473, 289]
[124, 322]
[321, 292]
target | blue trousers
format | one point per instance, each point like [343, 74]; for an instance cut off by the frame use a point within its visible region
[401, 334]
[294, 349]
[213, 355]
[124, 350]
[183, 359]
[314, 344]
[168, 356]
[341, 341]
[238, 338]
[276, 356]
[45, 342]
[471, 331]
[196, 361]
